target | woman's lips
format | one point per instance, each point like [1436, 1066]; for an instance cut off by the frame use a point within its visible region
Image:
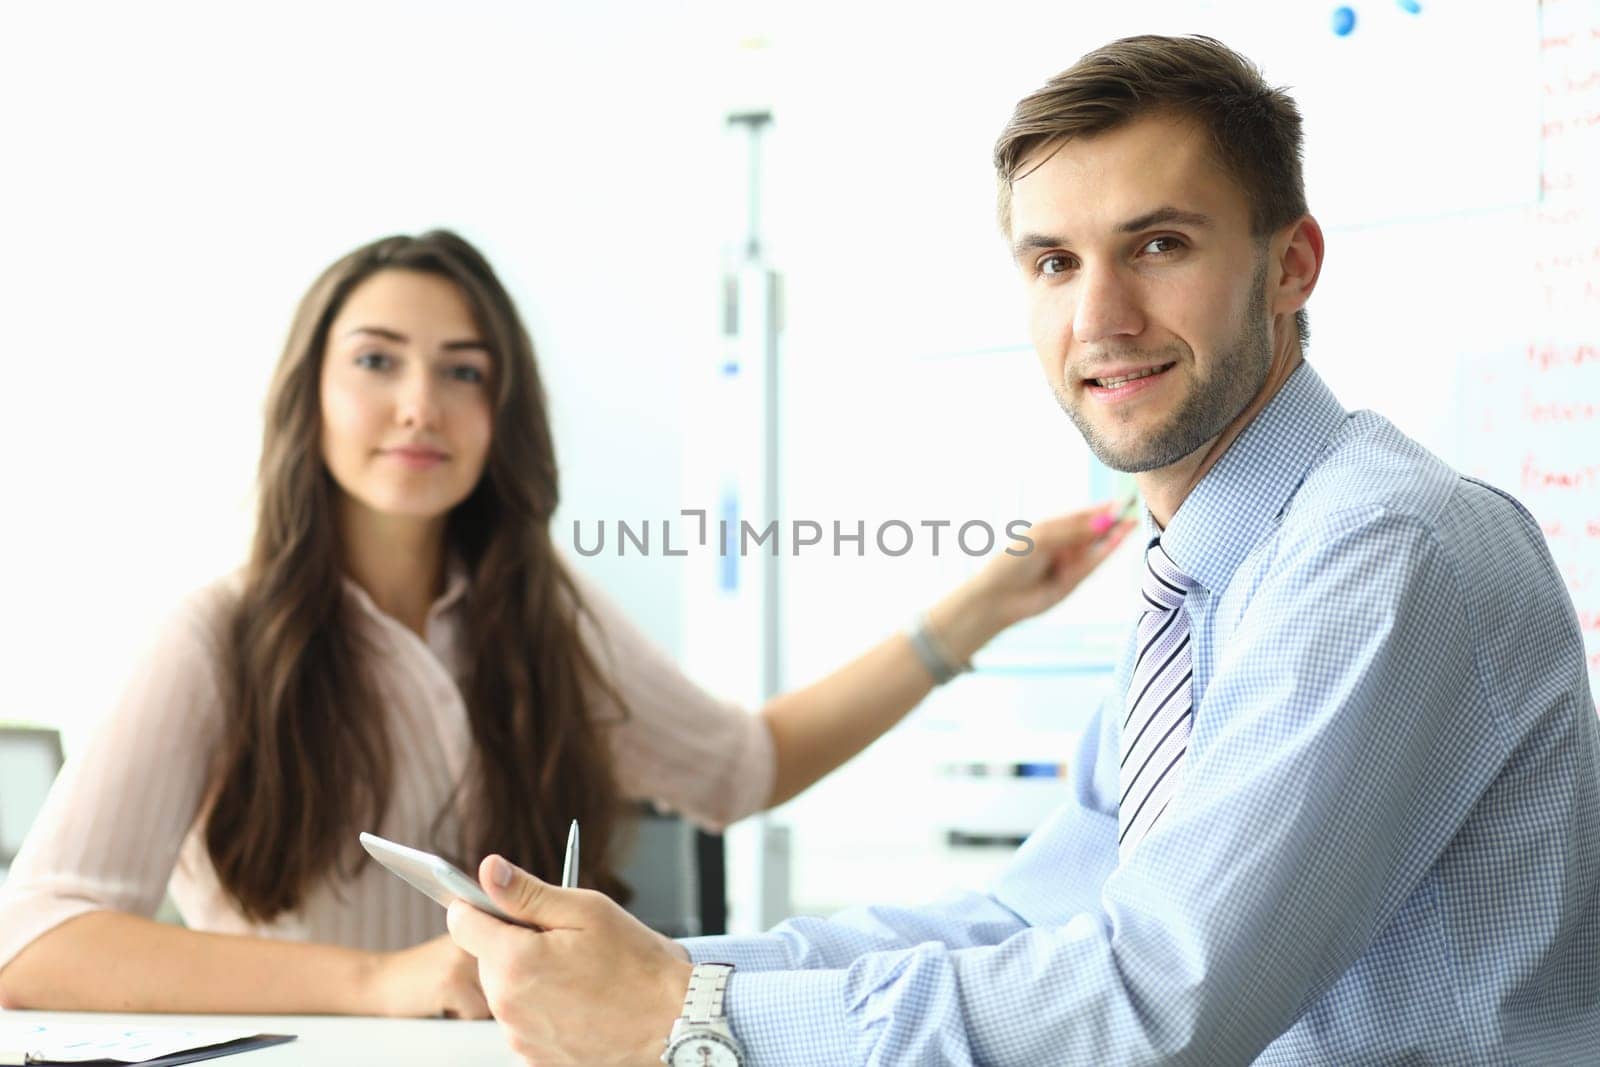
[416, 458]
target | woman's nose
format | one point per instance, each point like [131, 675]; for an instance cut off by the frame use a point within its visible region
[418, 403]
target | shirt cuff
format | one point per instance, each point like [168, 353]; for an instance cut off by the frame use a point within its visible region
[784, 1018]
[750, 952]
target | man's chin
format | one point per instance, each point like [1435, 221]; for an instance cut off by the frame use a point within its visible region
[1131, 457]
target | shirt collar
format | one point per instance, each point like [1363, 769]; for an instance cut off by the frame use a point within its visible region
[455, 588]
[1240, 497]
[455, 585]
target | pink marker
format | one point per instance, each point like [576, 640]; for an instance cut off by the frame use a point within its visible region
[1103, 523]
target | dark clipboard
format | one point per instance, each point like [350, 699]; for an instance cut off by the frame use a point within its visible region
[210, 1052]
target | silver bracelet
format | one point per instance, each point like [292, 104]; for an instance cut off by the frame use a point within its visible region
[932, 652]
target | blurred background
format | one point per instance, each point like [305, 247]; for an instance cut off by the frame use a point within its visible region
[755, 246]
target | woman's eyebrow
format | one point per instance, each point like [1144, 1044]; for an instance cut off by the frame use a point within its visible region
[464, 345]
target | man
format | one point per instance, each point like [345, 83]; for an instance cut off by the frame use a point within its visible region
[1344, 808]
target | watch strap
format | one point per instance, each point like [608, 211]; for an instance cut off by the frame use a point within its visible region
[708, 983]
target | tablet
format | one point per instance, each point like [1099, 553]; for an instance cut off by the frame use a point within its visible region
[432, 875]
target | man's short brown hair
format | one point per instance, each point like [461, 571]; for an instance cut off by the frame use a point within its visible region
[1254, 128]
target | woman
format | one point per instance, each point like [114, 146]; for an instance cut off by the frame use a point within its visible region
[406, 652]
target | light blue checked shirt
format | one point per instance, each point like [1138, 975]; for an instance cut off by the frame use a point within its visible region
[1386, 847]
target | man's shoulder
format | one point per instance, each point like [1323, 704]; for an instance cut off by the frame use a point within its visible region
[1368, 468]
[1373, 473]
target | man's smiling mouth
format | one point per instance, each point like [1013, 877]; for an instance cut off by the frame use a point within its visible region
[1123, 379]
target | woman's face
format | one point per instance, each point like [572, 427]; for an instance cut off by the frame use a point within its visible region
[405, 395]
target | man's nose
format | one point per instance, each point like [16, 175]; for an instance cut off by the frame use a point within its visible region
[1108, 306]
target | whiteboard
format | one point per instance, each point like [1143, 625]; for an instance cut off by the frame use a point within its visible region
[1529, 414]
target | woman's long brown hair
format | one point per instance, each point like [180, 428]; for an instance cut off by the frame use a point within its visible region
[305, 761]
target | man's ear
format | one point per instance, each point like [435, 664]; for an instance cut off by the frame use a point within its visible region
[1297, 255]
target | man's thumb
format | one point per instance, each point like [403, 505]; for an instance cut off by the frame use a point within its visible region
[521, 895]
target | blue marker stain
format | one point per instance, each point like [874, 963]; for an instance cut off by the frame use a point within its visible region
[728, 572]
[1344, 20]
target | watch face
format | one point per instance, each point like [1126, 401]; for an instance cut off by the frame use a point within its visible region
[705, 1050]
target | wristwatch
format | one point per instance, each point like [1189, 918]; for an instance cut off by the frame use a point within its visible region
[701, 1037]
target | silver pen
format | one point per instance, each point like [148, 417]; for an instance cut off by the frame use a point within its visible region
[569, 868]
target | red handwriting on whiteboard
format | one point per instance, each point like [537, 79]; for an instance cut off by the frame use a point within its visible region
[1576, 124]
[1569, 217]
[1548, 411]
[1558, 262]
[1577, 579]
[1563, 182]
[1536, 477]
[1573, 84]
[1550, 356]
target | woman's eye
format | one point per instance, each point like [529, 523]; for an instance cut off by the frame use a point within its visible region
[465, 372]
[374, 361]
[1054, 265]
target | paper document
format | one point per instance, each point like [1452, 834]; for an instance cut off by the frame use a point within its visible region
[27, 1043]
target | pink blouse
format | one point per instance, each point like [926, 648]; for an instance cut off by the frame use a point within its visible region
[122, 824]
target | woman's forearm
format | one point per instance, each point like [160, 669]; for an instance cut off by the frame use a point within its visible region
[112, 961]
[819, 727]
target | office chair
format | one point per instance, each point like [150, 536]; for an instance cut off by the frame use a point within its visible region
[30, 756]
[677, 873]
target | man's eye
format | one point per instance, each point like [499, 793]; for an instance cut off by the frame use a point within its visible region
[1172, 244]
[1055, 265]
[374, 361]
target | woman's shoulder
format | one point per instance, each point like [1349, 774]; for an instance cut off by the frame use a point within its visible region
[175, 687]
[603, 626]
[210, 605]
[195, 627]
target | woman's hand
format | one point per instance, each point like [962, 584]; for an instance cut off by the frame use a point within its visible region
[1011, 588]
[1065, 549]
[429, 980]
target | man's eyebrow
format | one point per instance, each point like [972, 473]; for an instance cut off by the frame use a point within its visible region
[467, 345]
[1161, 216]
[1033, 242]
[1165, 216]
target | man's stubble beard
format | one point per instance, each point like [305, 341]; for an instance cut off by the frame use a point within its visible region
[1215, 400]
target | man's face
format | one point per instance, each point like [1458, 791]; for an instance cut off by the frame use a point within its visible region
[1146, 290]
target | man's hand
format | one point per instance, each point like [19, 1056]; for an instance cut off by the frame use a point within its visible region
[591, 986]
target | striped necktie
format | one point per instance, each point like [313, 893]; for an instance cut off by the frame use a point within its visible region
[1155, 730]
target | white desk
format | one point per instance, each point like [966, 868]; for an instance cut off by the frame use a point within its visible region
[329, 1039]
